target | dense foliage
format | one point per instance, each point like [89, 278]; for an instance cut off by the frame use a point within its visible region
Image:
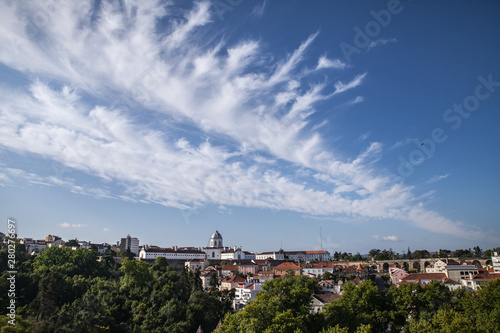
[363, 309]
[64, 290]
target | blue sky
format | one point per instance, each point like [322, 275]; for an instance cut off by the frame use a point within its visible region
[374, 121]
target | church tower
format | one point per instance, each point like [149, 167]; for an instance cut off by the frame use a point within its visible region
[216, 240]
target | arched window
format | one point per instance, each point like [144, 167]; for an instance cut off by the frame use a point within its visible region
[213, 254]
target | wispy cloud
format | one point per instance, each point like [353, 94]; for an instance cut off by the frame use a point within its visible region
[386, 238]
[341, 87]
[324, 62]
[379, 42]
[259, 9]
[437, 178]
[404, 142]
[238, 101]
[72, 225]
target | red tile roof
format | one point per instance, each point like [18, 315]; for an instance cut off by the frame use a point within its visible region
[483, 276]
[424, 276]
[287, 265]
[234, 279]
[230, 268]
[325, 298]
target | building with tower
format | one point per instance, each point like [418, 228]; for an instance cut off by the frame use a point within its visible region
[216, 247]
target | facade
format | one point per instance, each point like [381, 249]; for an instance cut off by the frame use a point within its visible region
[270, 255]
[52, 238]
[174, 253]
[231, 282]
[460, 272]
[265, 276]
[472, 283]
[307, 255]
[424, 278]
[495, 259]
[244, 293]
[34, 246]
[287, 268]
[318, 301]
[318, 268]
[397, 274]
[330, 287]
[440, 266]
[229, 270]
[248, 268]
[196, 264]
[233, 254]
[130, 243]
[206, 276]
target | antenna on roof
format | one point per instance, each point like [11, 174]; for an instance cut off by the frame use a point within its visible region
[321, 238]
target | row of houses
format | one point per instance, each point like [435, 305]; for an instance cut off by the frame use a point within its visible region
[453, 274]
[217, 251]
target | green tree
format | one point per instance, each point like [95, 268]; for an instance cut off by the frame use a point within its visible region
[359, 305]
[416, 301]
[71, 243]
[445, 321]
[282, 306]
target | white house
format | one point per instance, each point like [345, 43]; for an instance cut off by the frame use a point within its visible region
[187, 253]
[237, 253]
[196, 264]
[276, 255]
[307, 255]
[244, 293]
[495, 259]
[318, 268]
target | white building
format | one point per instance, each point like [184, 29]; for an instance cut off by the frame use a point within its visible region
[186, 253]
[34, 246]
[307, 255]
[237, 253]
[216, 247]
[495, 259]
[196, 264]
[279, 255]
[318, 268]
[244, 293]
[130, 243]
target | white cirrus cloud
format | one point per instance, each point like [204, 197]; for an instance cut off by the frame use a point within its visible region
[72, 225]
[181, 115]
[386, 238]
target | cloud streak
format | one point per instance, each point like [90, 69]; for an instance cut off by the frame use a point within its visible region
[244, 117]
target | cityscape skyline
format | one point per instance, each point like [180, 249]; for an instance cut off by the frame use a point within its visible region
[268, 121]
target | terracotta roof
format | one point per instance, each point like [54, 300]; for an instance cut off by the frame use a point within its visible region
[483, 276]
[326, 281]
[424, 276]
[325, 298]
[316, 252]
[266, 272]
[230, 268]
[450, 281]
[287, 265]
[234, 279]
[359, 268]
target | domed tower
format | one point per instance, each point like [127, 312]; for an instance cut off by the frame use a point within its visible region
[216, 240]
